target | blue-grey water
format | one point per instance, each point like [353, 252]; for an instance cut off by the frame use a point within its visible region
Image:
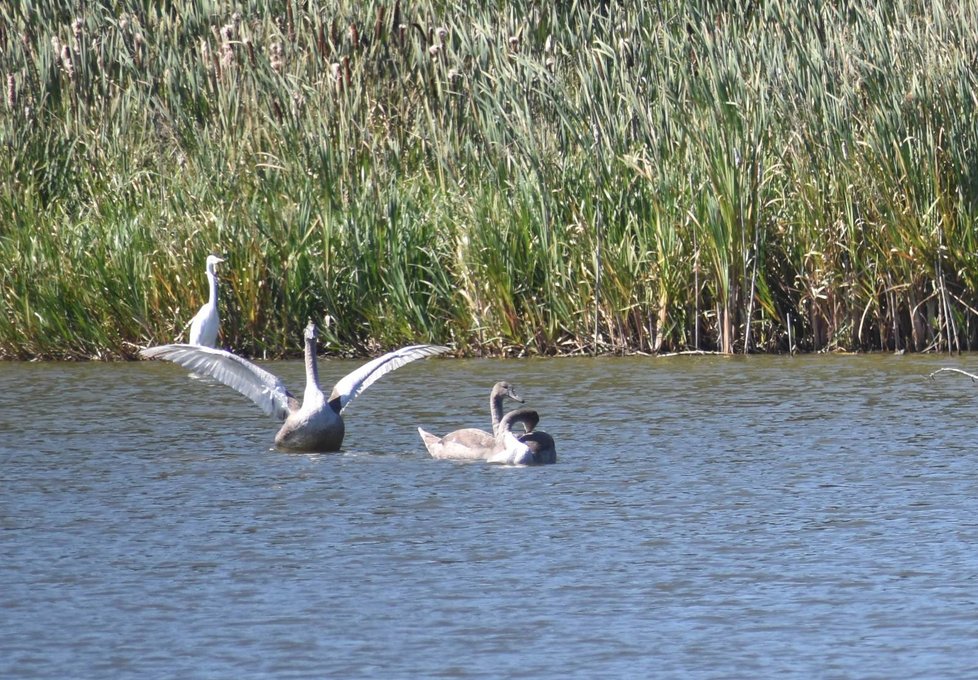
[707, 518]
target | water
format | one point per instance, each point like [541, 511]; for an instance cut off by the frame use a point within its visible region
[708, 517]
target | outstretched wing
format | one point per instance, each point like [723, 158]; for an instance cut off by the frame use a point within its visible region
[347, 389]
[266, 390]
[974, 378]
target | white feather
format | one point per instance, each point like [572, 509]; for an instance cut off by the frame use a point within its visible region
[266, 390]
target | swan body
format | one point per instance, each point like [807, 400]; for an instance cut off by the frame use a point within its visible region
[541, 445]
[204, 325]
[533, 447]
[315, 424]
[508, 449]
[471, 443]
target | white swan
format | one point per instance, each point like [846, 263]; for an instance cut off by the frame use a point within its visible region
[204, 325]
[316, 424]
[471, 443]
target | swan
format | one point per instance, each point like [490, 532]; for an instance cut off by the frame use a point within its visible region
[507, 448]
[313, 425]
[471, 443]
[204, 325]
[533, 447]
[541, 445]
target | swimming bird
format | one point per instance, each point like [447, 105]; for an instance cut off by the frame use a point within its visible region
[532, 447]
[507, 448]
[316, 423]
[204, 325]
[471, 443]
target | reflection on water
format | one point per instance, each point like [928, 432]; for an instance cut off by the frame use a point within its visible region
[771, 516]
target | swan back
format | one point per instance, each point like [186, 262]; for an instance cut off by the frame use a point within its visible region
[465, 444]
[265, 389]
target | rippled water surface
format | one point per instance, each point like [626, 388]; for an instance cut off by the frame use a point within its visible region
[708, 517]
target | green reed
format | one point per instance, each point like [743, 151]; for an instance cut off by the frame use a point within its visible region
[509, 178]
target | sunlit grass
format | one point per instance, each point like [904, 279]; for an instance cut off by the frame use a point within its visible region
[513, 178]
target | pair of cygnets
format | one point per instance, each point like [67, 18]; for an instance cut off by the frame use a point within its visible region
[503, 445]
[315, 424]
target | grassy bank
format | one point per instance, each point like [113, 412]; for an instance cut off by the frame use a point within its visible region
[508, 177]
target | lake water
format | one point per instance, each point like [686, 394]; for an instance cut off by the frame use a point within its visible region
[707, 518]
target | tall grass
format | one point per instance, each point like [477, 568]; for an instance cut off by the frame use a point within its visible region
[510, 178]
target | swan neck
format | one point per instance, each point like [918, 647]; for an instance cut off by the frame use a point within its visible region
[312, 369]
[496, 410]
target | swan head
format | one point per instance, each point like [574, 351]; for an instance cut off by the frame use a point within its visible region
[213, 261]
[527, 416]
[311, 332]
[505, 389]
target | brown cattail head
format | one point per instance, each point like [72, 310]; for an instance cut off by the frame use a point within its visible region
[11, 91]
[354, 37]
[322, 43]
[379, 25]
[396, 18]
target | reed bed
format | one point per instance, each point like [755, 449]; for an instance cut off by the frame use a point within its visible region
[511, 178]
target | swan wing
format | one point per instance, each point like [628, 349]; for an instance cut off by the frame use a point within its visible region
[265, 389]
[347, 389]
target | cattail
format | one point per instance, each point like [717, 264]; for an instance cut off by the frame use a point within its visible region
[334, 69]
[321, 43]
[137, 47]
[354, 36]
[227, 51]
[514, 43]
[76, 30]
[396, 19]
[66, 63]
[11, 91]
[277, 58]
[205, 54]
[442, 34]
[379, 25]
[346, 71]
